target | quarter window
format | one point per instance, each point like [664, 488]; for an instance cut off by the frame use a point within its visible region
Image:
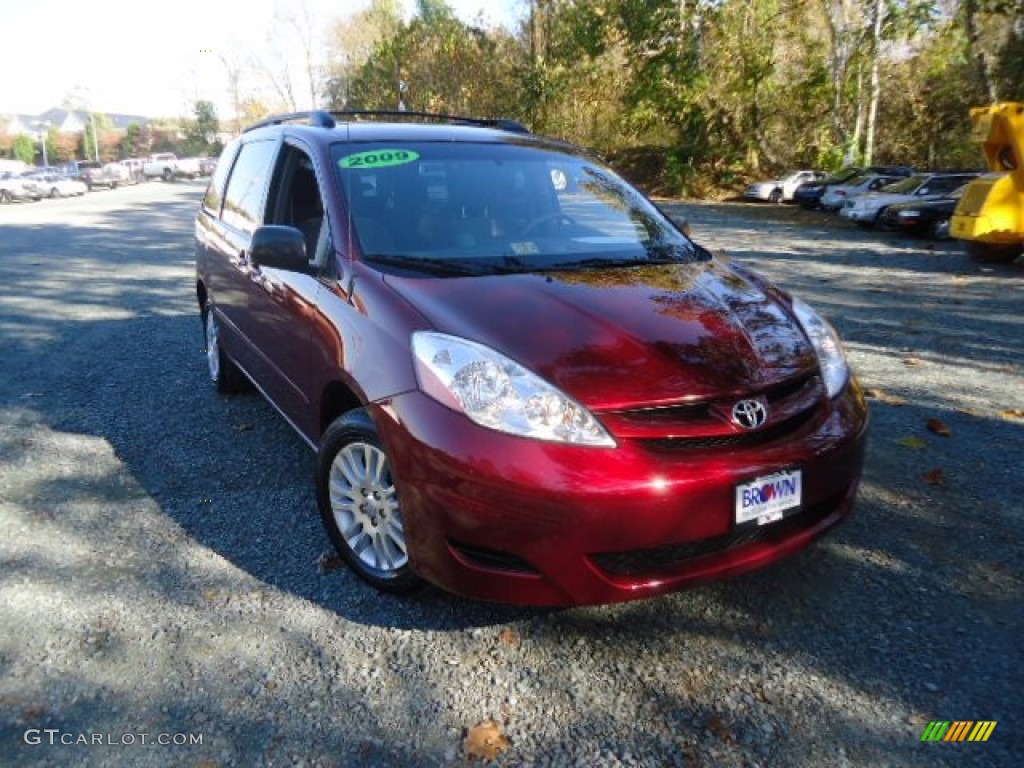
[246, 191]
[215, 191]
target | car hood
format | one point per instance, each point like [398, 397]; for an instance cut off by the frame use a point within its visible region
[937, 204]
[615, 338]
[878, 199]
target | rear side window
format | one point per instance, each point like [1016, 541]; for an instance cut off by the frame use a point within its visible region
[246, 190]
[215, 191]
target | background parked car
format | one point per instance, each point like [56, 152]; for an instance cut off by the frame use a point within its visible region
[207, 165]
[134, 168]
[59, 185]
[16, 187]
[809, 194]
[868, 208]
[924, 217]
[837, 195]
[781, 190]
[94, 174]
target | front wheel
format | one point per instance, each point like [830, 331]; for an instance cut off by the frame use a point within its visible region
[5, 196]
[167, 175]
[939, 229]
[775, 196]
[359, 504]
[54, 192]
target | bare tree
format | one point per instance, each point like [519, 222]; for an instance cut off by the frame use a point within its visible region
[876, 82]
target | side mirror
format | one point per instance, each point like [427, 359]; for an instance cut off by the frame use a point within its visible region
[279, 248]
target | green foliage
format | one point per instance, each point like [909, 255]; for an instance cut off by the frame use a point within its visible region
[24, 149]
[692, 95]
[201, 131]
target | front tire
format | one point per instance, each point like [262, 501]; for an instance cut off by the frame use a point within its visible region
[359, 504]
[225, 376]
[167, 174]
[939, 229]
[775, 196]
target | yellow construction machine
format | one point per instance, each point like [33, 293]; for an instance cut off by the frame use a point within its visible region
[990, 215]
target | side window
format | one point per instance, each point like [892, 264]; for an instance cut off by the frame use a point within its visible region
[243, 198]
[296, 201]
[215, 191]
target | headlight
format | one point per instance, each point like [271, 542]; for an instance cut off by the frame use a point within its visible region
[825, 340]
[500, 394]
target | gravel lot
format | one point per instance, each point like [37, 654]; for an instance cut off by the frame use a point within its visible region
[160, 551]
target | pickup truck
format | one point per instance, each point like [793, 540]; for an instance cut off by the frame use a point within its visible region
[168, 166]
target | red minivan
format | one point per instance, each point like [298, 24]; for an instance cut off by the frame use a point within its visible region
[523, 382]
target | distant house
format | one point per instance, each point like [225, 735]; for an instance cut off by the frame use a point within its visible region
[66, 121]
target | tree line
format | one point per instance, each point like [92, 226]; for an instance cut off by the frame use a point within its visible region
[688, 95]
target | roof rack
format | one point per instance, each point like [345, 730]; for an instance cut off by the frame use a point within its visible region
[501, 123]
[317, 118]
[320, 118]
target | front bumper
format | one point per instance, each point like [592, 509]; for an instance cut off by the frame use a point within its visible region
[501, 518]
[858, 214]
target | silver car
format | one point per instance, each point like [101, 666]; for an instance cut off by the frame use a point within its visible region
[867, 209]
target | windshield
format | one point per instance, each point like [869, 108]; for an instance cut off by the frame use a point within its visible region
[863, 178]
[843, 176]
[448, 208]
[906, 186]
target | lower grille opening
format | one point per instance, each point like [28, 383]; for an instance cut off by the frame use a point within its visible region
[645, 561]
[736, 440]
[493, 559]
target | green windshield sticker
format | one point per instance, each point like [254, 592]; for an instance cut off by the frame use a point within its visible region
[379, 158]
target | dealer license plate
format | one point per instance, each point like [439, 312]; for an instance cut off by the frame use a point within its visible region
[767, 498]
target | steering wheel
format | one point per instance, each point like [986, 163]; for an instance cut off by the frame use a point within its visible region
[545, 219]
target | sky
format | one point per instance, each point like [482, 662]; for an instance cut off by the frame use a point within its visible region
[152, 59]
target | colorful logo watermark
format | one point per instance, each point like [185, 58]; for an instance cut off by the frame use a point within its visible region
[958, 730]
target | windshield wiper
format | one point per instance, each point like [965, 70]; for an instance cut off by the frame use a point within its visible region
[432, 266]
[598, 262]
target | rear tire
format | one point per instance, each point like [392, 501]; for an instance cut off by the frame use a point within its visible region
[993, 253]
[775, 196]
[225, 376]
[359, 505]
[167, 175]
[5, 196]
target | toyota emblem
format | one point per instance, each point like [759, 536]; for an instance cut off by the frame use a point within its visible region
[749, 414]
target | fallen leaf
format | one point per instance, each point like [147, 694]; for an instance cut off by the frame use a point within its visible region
[485, 741]
[1012, 414]
[243, 427]
[912, 442]
[939, 428]
[884, 397]
[718, 727]
[911, 361]
[508, 637]
[329, 561]
[934, 476]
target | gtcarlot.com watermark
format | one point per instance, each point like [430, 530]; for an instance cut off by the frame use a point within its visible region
[55, 737]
